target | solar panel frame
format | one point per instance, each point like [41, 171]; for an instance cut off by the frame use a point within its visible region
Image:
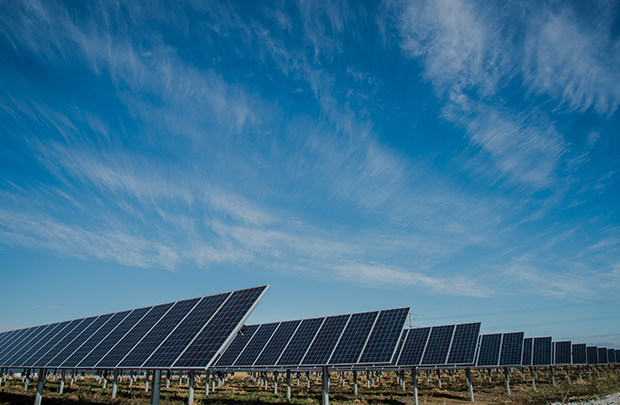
[490, 346]
[542, 352]
[252, 351]
[325, 340]
[85, 342]
[579, 354]
[611, 356]
[383, 339]
[14, 341]
[592, 355]
[59, 342]
[562, 353]
[414, 346]
[602, 355]
[25, 351]
[464, 342]
[236, 347]
[278, 343]
[512, 349]
[301, 341]
[71, 346]
[438, 345]
[354, 338]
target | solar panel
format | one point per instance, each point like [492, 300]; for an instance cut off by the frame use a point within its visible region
[512, 349]
[297, 348]
[413, 347]
[562, 353]
[611, 356]
[463, 348]
[602, 355]
[384, 336]
[592, 354]
[197, 328]
[236, 347]
[325, 341]
[527, 352]
[542, 351]
[489, 350]
[354, 338]
[580, 354]
[278, 342]
[256, 345]
[617, 355]
[438, 345]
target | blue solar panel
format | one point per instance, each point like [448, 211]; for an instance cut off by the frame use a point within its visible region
[464, 342]
[53, 346]
[298, 346]
[611, 356]
[256, 345]
[512, 349]
[489, 350]
[527, 352]
[438, 345]
[592, 354]
[89, 339]
[602, 355]
[15, 342]
[29, 349]
[580, 354]
[277, 344]
[325, 341]
[172, 347]
[413, 347]
[617, 355]
[354, 338]
[72, 346]
[236, 347]
[542, 351]
[66, 340]
[209, 343]
[384, 337]
[563, 353]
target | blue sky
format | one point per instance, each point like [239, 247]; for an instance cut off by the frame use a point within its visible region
[458, 157]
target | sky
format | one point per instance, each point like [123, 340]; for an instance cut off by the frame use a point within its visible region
[458, 157]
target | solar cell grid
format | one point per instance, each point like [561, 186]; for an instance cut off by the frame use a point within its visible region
[592, 354]
[297, 348]
[27, 350]
[489, 350]
[563, 353]
[55, 345]
[211, 339]
[399, 347]
[354, 338]
[277, 344]
[580, 354]
[87, 340]
[384, 336]
[236, 347]
[413, 347]
[542, 351]
[73, 345]
[158, 333]
[19, 343]
[512, 349]
[256, 345]
[325, 340]
[438, 345]
[611, 356]
[617, 351]
[172, 347]
[527, 352]
[115, 331]
[46, 344]
[463, 348]
[15, 340]
[6, 336]
[602, 355]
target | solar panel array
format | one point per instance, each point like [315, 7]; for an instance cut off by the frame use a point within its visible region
[500, 349]
[512, 349]
[183, 334]
[355, 339]
[541, 355]
[580, 354]
[439, 345]
[562, 351]
[592, 354]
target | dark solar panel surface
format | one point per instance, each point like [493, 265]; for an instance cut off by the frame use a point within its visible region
[580, 354]
[277, 344]
[297, 348]
[438, 345]
[224, 324]
[172, 347]
[592, 354]
[15, 340]
[54, 345]
[87, 341]
[21, 343]
[463, 347]
[325, 341]
[512, 349]
[602, 355]
[46, 344]
[413, 347]
[236, 347]
[399, 348]
[617, 351]
[527, 352]
[64, 342]
[354, 338]
[611, 356]
[489, 350]
[29, 349]
[126, 320]
[563, 352]
[542, 351]
[256, 345]
[74, 344]
[384, 336]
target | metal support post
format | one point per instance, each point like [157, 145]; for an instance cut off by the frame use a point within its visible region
[533, 379]
[325, 385]
[115, 384]
[275, 382]
[308, 379]
[471, 388]
[39, 396]
[27, 379]
[190, 392]
[414, 378]
[355, 383]
[507, 375]
[156, 387]
[207, 382]
[553, 376]
[438, 378]
[288, 385]
[368, 379]
[62, 382]
[298, 379]
[402, 380]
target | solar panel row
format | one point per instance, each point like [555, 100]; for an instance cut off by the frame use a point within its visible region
[182, 334]
[363, 338]
[439, 345]
[500, 349]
